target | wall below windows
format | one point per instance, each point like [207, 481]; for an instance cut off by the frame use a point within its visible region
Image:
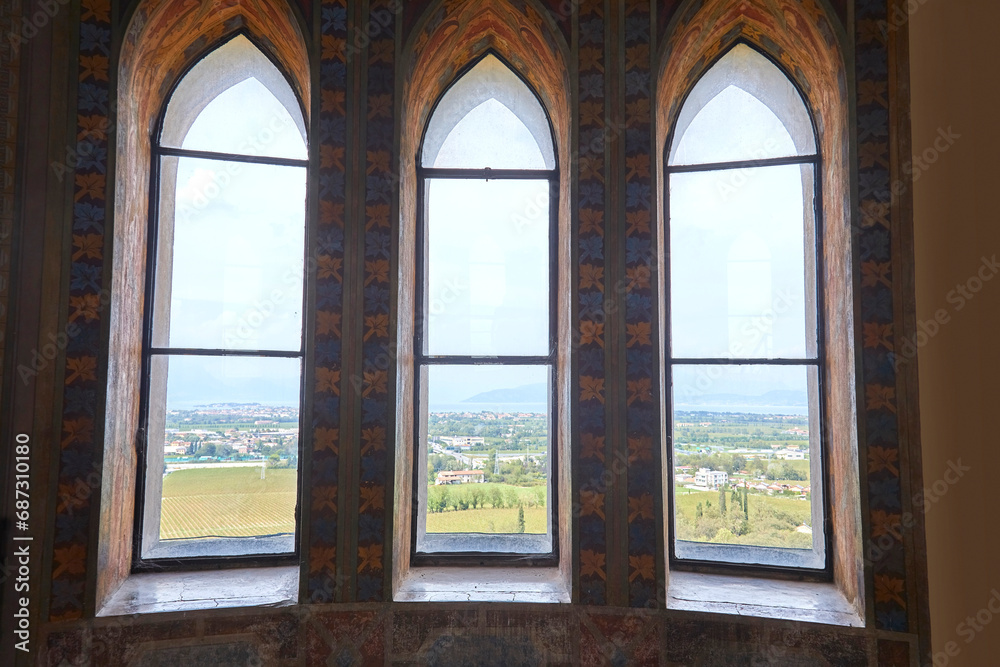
[956, 141]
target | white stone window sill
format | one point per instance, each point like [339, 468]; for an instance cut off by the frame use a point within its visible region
[808, 602]
[161, 592]
[481, 584]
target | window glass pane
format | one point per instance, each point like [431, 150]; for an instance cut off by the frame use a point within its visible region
[222, 456]
[230, 248]
[744, 108]
[747, 465]
[235, 101]
[742, 263]
[487, 267]
[489, 118]
[484, 446]
[248, 120]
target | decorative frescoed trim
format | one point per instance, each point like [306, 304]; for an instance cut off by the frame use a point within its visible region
[593, 456]
[642, 406]
[81, 390]
[877, 297]
[380, 184]
[324, 470]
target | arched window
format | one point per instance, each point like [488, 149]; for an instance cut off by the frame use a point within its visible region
[223, 344]
[485, 339]
[745, 357]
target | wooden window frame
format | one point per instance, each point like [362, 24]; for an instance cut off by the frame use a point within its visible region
[423, 360]
[157, 153]
[818, 361]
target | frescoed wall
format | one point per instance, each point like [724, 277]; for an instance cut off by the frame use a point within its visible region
[609, 72]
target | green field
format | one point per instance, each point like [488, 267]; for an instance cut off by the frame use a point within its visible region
[494, 512]
[772, 520]
[228, 502]
[487, 520]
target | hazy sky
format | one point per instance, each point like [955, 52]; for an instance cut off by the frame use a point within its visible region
[738, 237]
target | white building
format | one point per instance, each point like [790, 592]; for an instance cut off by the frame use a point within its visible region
[711, 479]
[461, 441]
[460, 477]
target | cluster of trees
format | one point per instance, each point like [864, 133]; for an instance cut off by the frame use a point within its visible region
[733, 519]
[283, 454]
[731, 463]
[461, 497]
[740, 502]
[782, 471]
[210, 449]
[438, 462]
[515, 471]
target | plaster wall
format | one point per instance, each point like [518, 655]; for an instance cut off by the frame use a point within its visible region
[956, 88]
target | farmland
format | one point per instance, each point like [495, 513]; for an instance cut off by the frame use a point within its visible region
[227, 502]
[487, 520]
[463, 508]
[755, 450]
[769, 521]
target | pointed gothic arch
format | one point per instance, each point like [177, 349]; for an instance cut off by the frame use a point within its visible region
[447, 40]
[162, 41]
[804, 41]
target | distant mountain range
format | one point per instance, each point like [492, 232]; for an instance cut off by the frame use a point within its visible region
[776, 398]
[527, 393]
